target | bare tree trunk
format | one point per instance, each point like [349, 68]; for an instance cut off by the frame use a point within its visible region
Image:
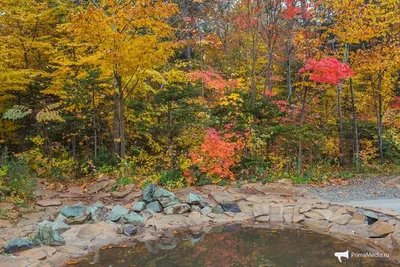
[380, 116]
[355, 127]
[340, 117]
[302, 118]
[122, 123]
[288, 71]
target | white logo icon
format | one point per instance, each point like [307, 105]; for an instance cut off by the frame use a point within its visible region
[339, 255]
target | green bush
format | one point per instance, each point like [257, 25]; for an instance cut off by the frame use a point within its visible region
[17, 183]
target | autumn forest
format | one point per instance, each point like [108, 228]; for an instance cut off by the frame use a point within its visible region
[196, 92]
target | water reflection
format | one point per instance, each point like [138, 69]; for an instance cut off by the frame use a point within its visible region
[233, 245]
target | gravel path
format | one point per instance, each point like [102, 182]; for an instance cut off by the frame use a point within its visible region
[357, 189]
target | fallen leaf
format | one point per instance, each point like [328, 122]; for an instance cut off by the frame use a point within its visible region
[72, 262]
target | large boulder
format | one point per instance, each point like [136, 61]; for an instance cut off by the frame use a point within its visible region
[148, 193]
[177, 208]
[139, 206]
[97, 213]
[193, 199]
[48, 236]
[164, 196]
[117, 212]
[133, 218]
[18, 245]
[73, 211]
[381, 229]
[154, 206]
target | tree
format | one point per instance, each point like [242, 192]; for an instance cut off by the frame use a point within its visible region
[126, 41]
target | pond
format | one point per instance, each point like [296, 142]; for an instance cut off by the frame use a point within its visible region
[233, 245]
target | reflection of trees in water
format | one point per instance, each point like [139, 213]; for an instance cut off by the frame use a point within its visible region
[234, 246]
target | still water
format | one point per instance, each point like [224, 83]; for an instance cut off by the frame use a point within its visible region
[233, 245]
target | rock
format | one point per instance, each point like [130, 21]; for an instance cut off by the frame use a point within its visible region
[48, 202]
[305, 208]
[320, 206]
[48, 236]
[380, 229]
[341, 219]
[133, 218]
[206, 210]
[7, 261]
[73, 211]
[97, 213]
[130, 230]
[121, 194]
[155, 206]
[139, 206]
[327, 214]
[260, 210]
[318, 224]
[147, 214]
[263, 218]
[340, 211]
[193, 199]
[203, 204]
[177, 208]
[94, 188]
[5, 224]
[38, 253]
[79, 219]
[195, 208]
[231, 207]
[164, 196]
[148, 193]
[298, 218]
[288, 217]
[226, 197]
[58, 226]
[18, 245]
[313, 215]
[117, 212]
[218, 210]
[371, 217]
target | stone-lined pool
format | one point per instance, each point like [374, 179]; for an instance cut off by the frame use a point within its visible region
[234, 245]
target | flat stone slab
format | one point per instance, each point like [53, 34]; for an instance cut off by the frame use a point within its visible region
[226, 197]
[393, 204]
[49, 202]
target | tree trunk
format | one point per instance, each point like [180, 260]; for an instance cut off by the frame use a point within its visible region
[302, 118]
[122, 123]
[355, 127]
[380, 116]
[340, 117]
[288, 71]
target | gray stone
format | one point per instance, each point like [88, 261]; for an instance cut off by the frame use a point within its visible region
[117, 212]
[79, 219]
[203, 204]
[231, 207]
[139, 206]
[218, 210]
[164, 196]
[97, 187]
[206, 210]
[313, 215]
[327, 214]
[58, 226]
[73, 211]
[195, 208]
[147, 214]
[177, 208]
[193, 199]
[48, 236]
[341, 219]
[305, 208]
[49, 202]
[18, 245]
[260, 209]
[226, 197]
[371, 214]
[133, 218]
[148, 192]
[298, 218]
[130, 230]
[155, 206]
[381, 229]
[263, 218]
[97, 213]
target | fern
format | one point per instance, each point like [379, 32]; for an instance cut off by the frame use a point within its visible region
[50, 113]
[16, 112]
